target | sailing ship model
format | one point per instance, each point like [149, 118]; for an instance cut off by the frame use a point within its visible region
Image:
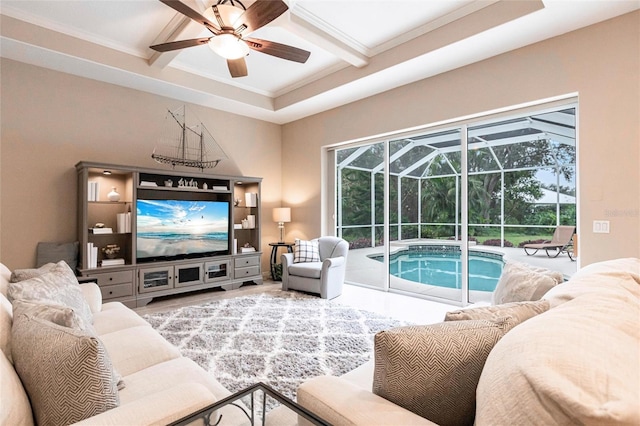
[187, 142]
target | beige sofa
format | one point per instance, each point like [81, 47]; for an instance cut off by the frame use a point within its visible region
[576, 363]
[160, 386]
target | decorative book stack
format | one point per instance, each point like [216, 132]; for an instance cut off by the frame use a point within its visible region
[123, 221]
[92, 255]
[101, 230]
[112, 262]
[93, 188]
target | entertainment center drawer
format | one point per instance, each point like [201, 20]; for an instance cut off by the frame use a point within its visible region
[247, 272]
[242, 262]
[118, 290]
[115, 277]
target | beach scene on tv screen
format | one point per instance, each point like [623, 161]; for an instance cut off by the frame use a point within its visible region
[177, 227]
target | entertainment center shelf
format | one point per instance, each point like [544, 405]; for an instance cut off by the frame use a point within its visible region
[146, 233]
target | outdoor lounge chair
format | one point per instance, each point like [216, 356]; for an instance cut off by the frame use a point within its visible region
[562, 241]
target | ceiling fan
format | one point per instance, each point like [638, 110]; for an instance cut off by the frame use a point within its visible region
[232, 25]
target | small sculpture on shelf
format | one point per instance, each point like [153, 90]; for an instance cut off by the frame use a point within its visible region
[111, 250]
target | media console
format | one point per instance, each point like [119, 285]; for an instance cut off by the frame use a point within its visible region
[173, 231]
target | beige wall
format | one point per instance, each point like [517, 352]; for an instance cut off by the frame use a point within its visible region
[600, 63]
[51, 120]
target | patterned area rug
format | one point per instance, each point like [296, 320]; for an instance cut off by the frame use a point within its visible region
[279, 338]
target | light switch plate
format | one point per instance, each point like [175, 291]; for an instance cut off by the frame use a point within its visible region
[601, 226]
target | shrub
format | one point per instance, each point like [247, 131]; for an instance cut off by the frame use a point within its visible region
[531, 242]
[496, 243]
[360, 243]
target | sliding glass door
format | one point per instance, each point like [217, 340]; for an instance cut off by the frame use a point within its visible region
[437, 213]
[360, 189]
[424, 215]
[521, 186]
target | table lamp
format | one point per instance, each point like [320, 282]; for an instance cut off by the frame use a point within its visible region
[281, 215]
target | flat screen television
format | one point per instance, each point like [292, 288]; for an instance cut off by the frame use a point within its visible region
[170, 229]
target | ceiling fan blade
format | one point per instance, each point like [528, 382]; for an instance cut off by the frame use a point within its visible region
[279, 50]
[258, 15]
[178, 6]
[181, 44]
[237, 67]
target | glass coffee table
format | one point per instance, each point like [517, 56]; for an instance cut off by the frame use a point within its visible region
[254, 410]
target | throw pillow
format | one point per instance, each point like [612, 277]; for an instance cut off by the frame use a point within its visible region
[59, 286]
[519, 311]
[57, 314]
[25, 274]
[305, 251]
[434, 370]
[62, 316]
[66, 372]
[55, 252]
[520, 282]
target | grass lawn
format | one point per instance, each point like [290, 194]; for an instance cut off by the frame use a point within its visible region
[514, 237]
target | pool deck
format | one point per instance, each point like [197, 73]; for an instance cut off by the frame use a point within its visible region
[362, 270]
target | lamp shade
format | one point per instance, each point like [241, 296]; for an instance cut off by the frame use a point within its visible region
[282, 214]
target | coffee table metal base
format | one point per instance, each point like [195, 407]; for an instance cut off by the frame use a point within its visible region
[256, 413]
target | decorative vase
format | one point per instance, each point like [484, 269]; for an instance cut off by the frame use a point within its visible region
[113, 195]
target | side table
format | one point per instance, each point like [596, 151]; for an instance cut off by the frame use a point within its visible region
[274, 258]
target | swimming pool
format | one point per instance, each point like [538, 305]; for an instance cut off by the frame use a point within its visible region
[441, 266]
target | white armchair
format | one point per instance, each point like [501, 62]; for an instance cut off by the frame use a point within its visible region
[325, 277]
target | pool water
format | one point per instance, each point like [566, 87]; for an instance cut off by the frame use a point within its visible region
[442, 268]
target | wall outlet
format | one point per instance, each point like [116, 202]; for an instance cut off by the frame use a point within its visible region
[601, 226]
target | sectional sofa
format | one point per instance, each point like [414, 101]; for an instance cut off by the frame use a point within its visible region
[569, 358]
[157, 385]
[572, 357]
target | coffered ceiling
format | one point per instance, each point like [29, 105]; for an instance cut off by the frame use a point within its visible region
[358, 48]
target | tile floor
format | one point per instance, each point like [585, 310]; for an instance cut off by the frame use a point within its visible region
[406, 308]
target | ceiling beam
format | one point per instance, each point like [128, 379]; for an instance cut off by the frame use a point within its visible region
[171, 32]
[306, 25]
[180, 27]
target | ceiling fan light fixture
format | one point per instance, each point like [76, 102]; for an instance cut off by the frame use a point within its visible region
[229, 46]
[228, 13]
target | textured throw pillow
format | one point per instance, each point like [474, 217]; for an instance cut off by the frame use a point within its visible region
[54, 252]
[66, 372]
[519, 311]
[62, 316]
[57, 314]
[434, 370]
[59, 286]
[305, 251]
[520, 282]
[26, 274]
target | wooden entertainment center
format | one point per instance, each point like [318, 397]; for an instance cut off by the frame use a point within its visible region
[107, 218]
